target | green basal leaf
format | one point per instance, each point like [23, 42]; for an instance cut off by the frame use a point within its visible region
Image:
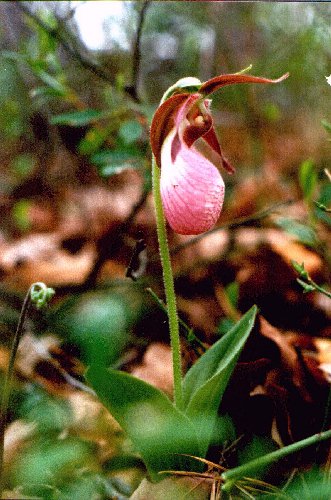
[47, 413]
[205, 383]
[307, 179]
[98, 322]
[157, 429]
[218, 356]
[225, 325]
[77, 118]
[224, 431]
[45, 461]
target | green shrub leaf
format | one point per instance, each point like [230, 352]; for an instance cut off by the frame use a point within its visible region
[307, 179]
[77, 118]
[130, 131]
[302, 232]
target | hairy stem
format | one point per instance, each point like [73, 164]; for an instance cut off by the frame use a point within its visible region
[39, 295]
[168, 287]
[8, 381]
[189, 332]
[319, 288]
[133, 89]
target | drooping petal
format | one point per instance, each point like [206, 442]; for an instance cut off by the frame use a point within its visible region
[220, 81]
[211, 139]
[194, 121]
[192, 188]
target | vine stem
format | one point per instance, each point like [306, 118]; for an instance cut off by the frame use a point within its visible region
[169, 288]
[232, 475]
[8, 381]
[319, 288]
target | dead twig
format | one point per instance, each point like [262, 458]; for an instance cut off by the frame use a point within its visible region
[136, 57]
[54, 33]
[110, 242]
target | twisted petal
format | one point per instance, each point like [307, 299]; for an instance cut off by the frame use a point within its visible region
[192, 188]
[163, 122]
[194, 121]
[217, 82]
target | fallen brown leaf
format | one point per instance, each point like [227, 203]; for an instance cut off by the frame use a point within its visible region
[156, 367]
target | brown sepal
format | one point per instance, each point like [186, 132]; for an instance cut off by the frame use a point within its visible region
[217, 82]
[211, 139]
[163, 122]
[194, 131]
[205, 130]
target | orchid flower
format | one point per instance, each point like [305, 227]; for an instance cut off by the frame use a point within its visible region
[192, 188]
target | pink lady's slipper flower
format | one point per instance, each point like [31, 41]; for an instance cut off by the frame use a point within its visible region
[192, 188]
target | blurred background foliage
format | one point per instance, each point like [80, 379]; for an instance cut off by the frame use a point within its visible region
[47, 68]
[79, 82]
[56, 91]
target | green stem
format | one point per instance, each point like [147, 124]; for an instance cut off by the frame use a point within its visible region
[319, 288]
[232, 475]
[189, 332]
[168, 288]
[8, 381]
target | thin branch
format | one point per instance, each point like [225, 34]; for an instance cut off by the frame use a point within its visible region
[132, 89]
[54, 33]
[71, 12]
[109, 244]
[136, 57]
[8, 381]
[189, 332]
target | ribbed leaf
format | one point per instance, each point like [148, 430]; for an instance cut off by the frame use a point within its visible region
[206, 381]
[157, 429]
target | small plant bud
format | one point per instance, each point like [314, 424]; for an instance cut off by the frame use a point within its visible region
[40, 294]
